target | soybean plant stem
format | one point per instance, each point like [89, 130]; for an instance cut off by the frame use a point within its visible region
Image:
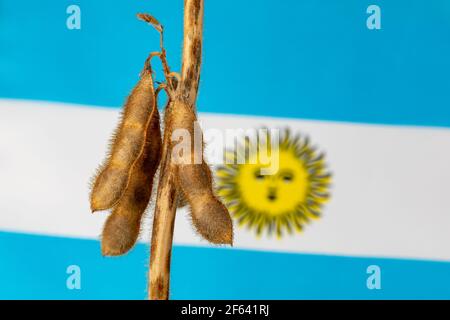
[166, 201]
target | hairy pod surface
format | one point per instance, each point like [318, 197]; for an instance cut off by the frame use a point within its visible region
[122, 227]
[209, 216]
[127, 143]
[181, 199]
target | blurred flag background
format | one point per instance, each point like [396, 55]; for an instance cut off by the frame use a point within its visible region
[375, 102]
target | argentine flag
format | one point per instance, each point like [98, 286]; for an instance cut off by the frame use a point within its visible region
[363, 85]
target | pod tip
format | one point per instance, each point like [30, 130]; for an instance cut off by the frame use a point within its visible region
[213, 222]
[119, 235]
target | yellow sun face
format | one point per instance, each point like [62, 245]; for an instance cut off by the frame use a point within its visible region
[282, 201]
[277, 193]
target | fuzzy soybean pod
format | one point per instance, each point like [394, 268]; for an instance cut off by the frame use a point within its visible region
[122, 227]
[209, 216]
[127, 143]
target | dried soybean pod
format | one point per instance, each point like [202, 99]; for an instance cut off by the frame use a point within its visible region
[209, 216]
[122, 227]
[127, 143]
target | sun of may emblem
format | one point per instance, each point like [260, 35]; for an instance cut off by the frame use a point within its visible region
[279, 202]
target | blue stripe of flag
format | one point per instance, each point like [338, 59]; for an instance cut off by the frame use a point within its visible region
[34, 267]
[312, 59]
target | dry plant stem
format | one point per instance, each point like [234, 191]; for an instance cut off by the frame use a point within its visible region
[192, 51]
[162, 55]
[166, 204]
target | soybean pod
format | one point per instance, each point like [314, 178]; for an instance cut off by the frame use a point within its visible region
[122, 227]
[209, 216]
[126, 146]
